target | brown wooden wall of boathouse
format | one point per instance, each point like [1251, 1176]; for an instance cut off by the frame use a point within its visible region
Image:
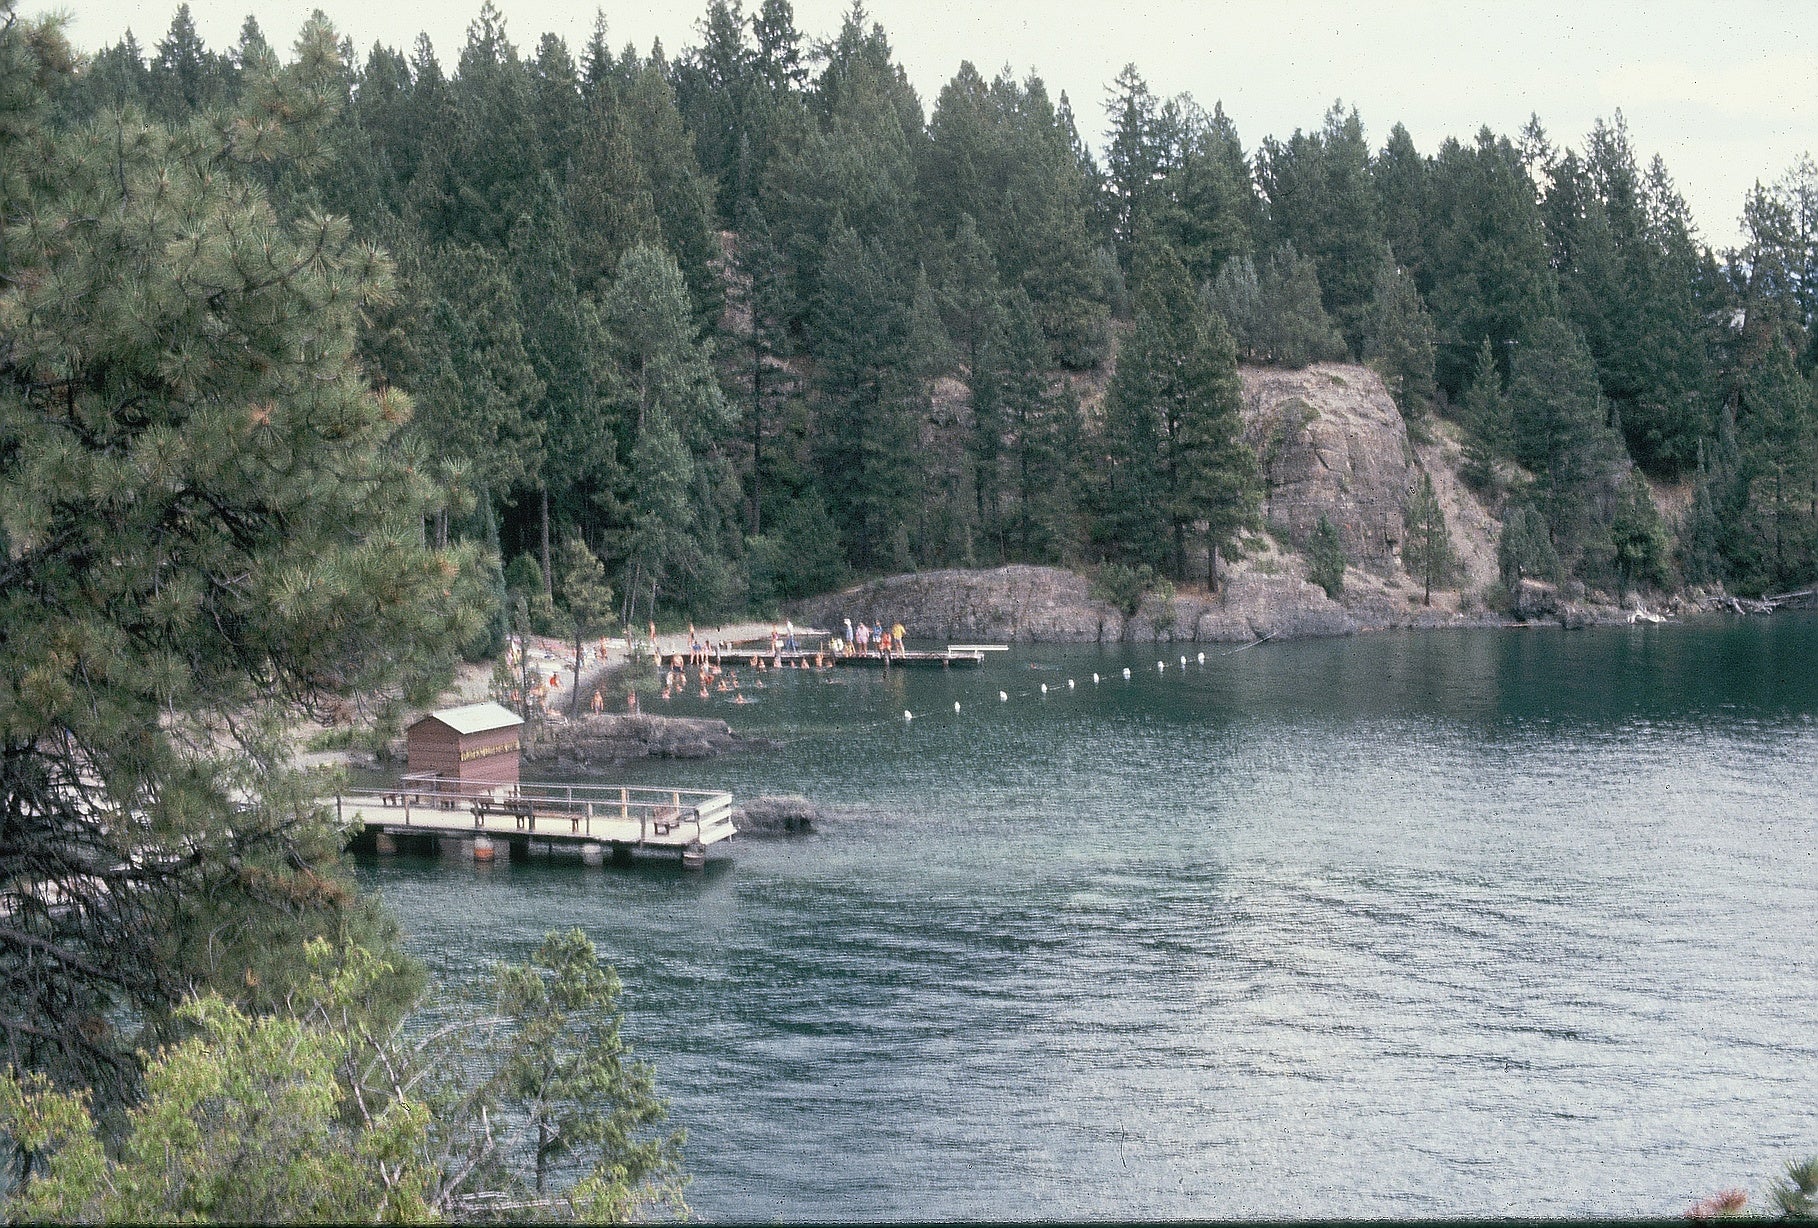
[475, 762]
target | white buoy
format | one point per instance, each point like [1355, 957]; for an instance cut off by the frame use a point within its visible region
[1126, 673]
[1002, 698]
[1044, 688]
[1094, 679]
[956, 705]
[1161, 667]
[1069, 684]
[1183, 662]
[1202, 658]
[908, 715]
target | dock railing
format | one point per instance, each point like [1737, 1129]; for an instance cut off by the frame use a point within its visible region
[603, 812]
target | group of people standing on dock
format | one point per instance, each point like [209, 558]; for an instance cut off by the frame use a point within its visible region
[874, 640]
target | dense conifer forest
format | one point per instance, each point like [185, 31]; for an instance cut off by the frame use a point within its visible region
[754, 317]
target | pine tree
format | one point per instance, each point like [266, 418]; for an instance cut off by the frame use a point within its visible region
[1399, 175]
[185, 76]
[1700, 537]
[1525, 548]
[1176, 393]
[870, 399]
[762, 294]
[1134, 157]
[586, 604]
[1322, 202]
[1291, 328]
[1489, 436]
[1326, 558]
[1426, 550]
[208, 530]
[1559, 430]
[1487, 273]
[1398, 341]
[1638, 538]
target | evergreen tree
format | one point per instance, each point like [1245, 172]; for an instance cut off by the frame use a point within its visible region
[1176, 393]
[762, 296]
[1135, 154]
[208, 531]
[1489, 436]
[1638, 538]
[566, 345]
[185, 76]
[1398, 341]
[586, 604]
[1487, 273]
[1559, 431]
[1399, 176]
[668, 398]
[1205, 206]
[1700, 537]
[1426, 549]
[1291, 328]
[870, 399]
[1525, 548]
[1778, 440]
[1326, 558]
[1321, 200]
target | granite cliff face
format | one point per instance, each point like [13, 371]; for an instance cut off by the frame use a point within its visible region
[1332, 444]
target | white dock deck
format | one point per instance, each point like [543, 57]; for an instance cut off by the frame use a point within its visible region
[625, 818]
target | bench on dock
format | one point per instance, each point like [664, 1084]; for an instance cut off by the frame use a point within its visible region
[523, 812]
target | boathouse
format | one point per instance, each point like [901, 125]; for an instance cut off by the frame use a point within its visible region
[468, 750]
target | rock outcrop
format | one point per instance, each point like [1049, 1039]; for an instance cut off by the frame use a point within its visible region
[775, 816]
[1332, 444]
[600, 740]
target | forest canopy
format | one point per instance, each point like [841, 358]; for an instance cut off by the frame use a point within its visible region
[754, 316]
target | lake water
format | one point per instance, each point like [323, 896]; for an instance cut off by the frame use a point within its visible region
[1471, 923]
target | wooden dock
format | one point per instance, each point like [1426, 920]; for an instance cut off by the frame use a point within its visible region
[594, 820]
[807, 658]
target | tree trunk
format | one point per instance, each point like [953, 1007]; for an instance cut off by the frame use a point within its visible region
[548, 572]
[1212, 567]
[757, 434]
[574, 700]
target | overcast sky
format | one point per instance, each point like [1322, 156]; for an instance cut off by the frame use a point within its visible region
[1726, 93]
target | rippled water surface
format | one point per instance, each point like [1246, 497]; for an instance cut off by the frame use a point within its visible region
[1475, 923]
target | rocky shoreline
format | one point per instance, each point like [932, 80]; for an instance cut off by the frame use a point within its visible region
[1022, 604]
[602, 741]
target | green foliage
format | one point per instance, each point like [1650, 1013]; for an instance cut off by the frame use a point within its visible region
[799, 557]
[1488, 432]
[210, 527]
[1123, 587]
[1796, 1196]
[587, 603]
[328, 1111]
[1426, 549]
[1322, 202]
[1275, 315]
[1173, 433]
[566, 1071]
[1398, 341]
[244, 1122]
[1559, 432]
[1638, 538]
[871, 394]
[1326, 558]
[1525, 549]
[556, 218]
